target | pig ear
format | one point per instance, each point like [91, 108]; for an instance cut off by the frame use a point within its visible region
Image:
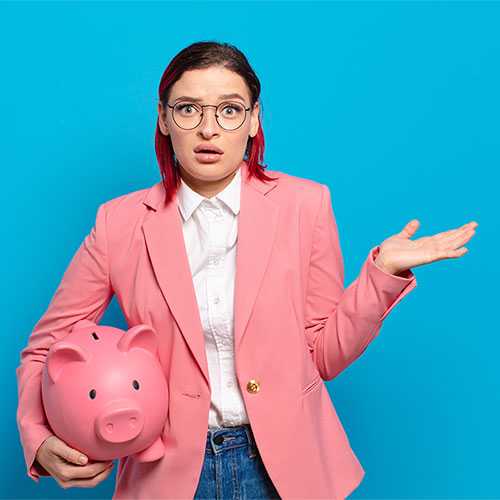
[61, 354]
[141, 336]
[83, 323]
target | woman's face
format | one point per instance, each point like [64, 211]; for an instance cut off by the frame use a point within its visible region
[209, 85]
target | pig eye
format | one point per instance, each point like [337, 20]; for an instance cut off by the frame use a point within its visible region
[92, 394]
[135, 384]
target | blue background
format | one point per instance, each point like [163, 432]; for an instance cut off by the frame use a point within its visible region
[394, 105]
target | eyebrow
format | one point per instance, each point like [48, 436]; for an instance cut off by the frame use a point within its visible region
[223, 96]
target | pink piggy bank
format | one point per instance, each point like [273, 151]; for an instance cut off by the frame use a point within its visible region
[104, 392]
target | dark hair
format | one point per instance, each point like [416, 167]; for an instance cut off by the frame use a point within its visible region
[197, 56]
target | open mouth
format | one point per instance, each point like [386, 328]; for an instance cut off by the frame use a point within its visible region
[208, 148]
[207, 156]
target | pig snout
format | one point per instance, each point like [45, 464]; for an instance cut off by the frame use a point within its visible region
[119, 422]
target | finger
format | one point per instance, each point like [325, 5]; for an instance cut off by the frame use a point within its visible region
[69, 472]
[453, 254]
[436, 256]
[458, 240]
[410, 228]
[447, 234]
[88, 482]
[69, 454]
[454, 232]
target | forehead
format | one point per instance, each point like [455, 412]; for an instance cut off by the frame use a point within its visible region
[209, 84]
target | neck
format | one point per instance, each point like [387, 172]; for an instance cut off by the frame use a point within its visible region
[208, 189]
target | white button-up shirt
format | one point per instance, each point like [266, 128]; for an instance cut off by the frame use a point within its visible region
[210, 227]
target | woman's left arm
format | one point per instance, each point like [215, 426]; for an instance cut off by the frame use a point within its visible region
[340, 322]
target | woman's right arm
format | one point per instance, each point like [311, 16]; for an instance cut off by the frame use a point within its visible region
[83, 293]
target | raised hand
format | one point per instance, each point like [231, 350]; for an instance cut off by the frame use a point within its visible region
[398, 253]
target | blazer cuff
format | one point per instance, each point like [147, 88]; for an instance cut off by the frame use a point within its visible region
[393, 287]
[36, 438]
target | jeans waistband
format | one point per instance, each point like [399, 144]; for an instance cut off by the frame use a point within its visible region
[224, 438]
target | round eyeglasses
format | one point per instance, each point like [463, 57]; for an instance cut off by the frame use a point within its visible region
[229, 115]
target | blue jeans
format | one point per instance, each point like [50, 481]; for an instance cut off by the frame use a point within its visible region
[233, 468]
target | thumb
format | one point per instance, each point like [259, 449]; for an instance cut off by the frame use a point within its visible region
[71, 455]
[410, 228]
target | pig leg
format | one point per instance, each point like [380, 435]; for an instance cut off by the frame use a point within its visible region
[151, 453]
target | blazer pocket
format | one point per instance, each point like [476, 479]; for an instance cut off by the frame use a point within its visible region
[312, 385]
[191, 394]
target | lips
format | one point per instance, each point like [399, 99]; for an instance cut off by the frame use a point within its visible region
[207, 157]
[208, 148]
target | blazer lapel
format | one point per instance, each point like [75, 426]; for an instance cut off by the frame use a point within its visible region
[257, 223]
[162, 228]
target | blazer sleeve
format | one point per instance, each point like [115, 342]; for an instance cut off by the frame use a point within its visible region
[83, 293]
[340, 323]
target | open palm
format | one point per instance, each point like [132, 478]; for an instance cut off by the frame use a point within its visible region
[398, 253]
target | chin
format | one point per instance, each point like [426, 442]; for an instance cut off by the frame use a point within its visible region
[207, 172]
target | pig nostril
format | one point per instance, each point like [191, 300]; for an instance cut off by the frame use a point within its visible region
[120, 423]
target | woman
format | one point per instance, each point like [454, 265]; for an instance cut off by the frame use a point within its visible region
[241, 275]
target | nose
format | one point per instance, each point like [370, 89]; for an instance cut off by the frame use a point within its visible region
[208, 125]
[119, 422]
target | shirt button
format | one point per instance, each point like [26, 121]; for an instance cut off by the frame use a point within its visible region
[230, 384]
[216, 300]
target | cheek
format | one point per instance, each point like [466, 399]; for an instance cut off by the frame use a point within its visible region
[238, 143]
[181, 143]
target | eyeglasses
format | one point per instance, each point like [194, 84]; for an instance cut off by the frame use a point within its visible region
[229, 115]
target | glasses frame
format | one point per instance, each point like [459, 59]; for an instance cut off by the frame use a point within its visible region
[216, 115]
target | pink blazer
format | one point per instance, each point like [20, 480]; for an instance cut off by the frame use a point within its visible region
[295, 326]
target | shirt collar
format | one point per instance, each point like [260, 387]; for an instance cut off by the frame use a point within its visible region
[188, 199]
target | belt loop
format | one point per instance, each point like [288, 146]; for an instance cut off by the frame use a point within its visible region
[249, 434]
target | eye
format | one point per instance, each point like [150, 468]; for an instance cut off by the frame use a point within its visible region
[135, 385]
[92, 394]
[232, 109]
[187, 108]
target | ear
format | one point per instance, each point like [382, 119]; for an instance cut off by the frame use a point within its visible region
[61, 354]
[140, 336]
[162, 119]
[254, 120]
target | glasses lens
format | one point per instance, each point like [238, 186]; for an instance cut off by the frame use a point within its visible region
[187, 114]
[230, 115]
